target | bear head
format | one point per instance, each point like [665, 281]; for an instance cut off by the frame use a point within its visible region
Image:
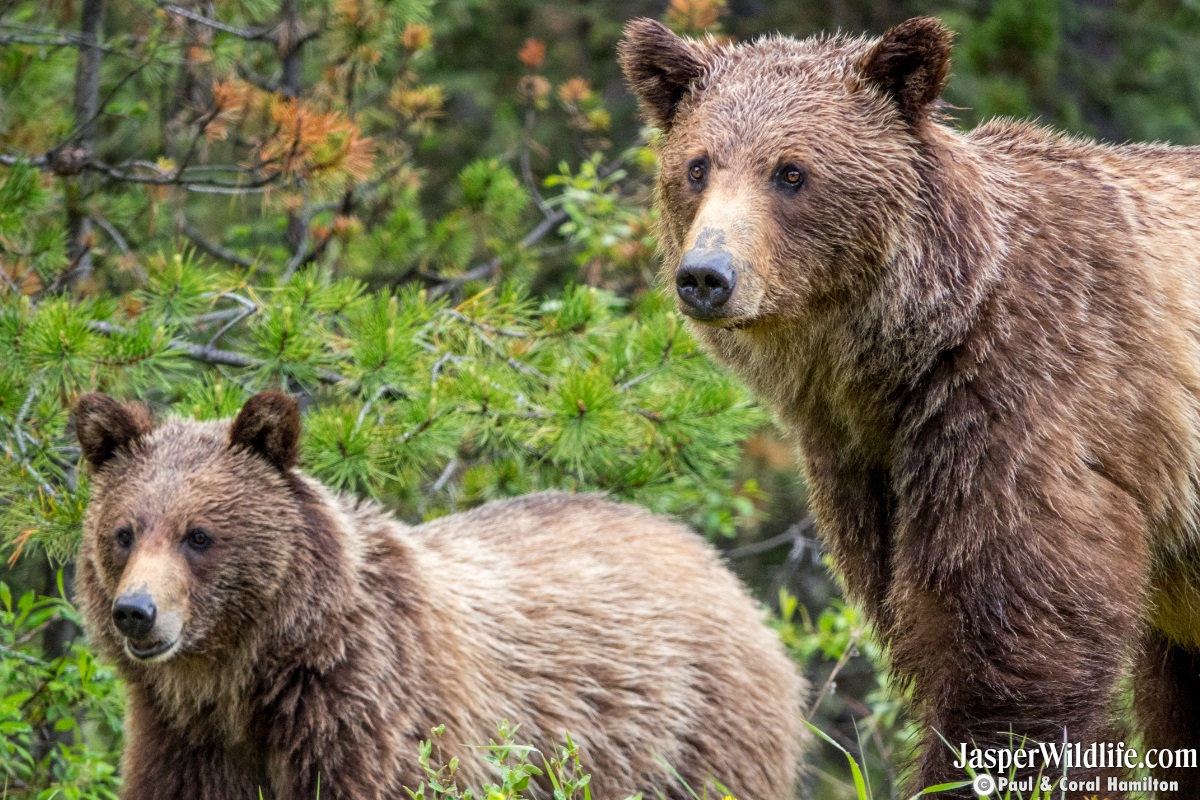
[788, 169]
[190, 528]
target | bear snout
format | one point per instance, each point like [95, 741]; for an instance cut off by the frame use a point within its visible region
[134, 614]
[150, 609]
[705, 281]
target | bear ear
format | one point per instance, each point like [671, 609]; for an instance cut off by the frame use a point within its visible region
[659, 67]
[910, 64]
[269, 425]
[104, 426]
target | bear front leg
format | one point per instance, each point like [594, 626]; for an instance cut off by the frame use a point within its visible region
[1167, 702]
[851, 501]
[1019, 605]
[977, 680]
[158, 762]
[334, 731]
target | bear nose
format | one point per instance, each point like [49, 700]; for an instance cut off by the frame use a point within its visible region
[134, 615]
[705, 279]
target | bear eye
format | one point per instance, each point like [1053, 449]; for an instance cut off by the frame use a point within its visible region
[124, 537]
[198, 539]
[790, 176]
[698, 170]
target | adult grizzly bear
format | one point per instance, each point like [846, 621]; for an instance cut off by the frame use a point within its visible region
[986, 346]
[277, 637]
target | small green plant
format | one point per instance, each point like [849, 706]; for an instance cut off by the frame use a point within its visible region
[60, 718]
[563, 770]
[841, 638]
[862, 787]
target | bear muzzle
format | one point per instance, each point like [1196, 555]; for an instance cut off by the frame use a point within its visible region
[705, 282]
[152, 631]
[134, 614]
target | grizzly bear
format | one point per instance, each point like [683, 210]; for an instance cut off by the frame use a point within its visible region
[986, 348]
[278, 640]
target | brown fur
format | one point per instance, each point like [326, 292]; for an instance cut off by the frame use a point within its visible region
[986, 346]
[321, 639]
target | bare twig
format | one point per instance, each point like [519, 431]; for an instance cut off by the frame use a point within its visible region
[490, 268]
[212, 248]
[250, 34]
[444, 478]
[9, 160]
[158, 177]
[216, 316]
[797, 535]
[830, 682]
[458, 315]
[38, 41]
[113, 234]
[519, 366]
[302, 253]
[54, 37]
[245, 312]
[202, 126]
[650, 373]
[526, 166]
[84, 127]
[180, 178]
[28, 659]
[366, 409]
[8, 280]
[441, 362]
[244, 302]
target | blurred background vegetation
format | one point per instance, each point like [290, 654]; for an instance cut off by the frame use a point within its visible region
[431, 220]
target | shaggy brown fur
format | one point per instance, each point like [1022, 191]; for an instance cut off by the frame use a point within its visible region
[986, 346]
[304, 637]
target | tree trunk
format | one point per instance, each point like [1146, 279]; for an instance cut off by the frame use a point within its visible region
[87, 112]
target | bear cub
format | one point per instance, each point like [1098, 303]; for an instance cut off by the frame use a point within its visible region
[278, 638]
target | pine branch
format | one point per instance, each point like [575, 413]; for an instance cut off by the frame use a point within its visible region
[179, 178]
[208, 354]
[73, 160]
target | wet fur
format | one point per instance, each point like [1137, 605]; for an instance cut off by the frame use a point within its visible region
[325, 639]
[986, 346]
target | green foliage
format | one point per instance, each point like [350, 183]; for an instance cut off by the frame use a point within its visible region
[42, 701]
[427, 406]
[883, 735]
[511, 761]
[597, 218]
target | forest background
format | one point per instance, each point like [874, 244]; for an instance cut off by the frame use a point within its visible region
[431, 220]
